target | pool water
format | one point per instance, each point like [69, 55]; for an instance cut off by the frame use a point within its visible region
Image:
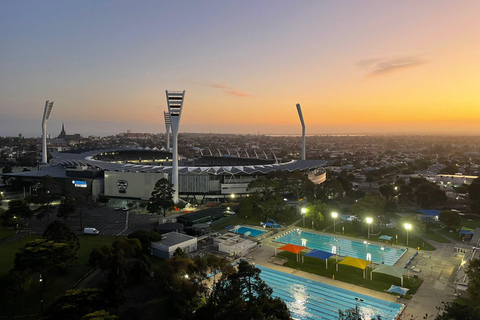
[343, 247]
[253, 232]
[307, 299]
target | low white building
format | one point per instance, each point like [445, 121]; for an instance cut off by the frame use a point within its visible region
[170, 242]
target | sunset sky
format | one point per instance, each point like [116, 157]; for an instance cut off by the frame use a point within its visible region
[354, 66]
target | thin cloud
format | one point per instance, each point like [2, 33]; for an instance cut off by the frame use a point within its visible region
[383, 66]
[226, 89]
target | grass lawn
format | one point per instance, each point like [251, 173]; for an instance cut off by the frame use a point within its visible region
[55, 284]
[6, 232]
[349, 274]
[435, 237]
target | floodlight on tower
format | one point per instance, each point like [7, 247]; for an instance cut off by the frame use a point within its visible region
[175, 104]
[46, 115]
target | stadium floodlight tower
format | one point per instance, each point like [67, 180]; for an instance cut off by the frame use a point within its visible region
[46, 115]
[175, 104]
[299, 109]
[167, 127]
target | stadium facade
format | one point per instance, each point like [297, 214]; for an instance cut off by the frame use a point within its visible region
[210, 179]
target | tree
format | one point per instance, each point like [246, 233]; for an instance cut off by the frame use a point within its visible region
[145, 238]
[475, 207]
[243, 295]
[14, 285]
[388, 191]
[44, 196]
[317, 212]
[449, 218]
[18, 208]
[162, 197]
[267, 197]
[100, 315]
[66, 208]
[332, 188]
[474, 189]
[74, 304]
[429, 195]
[113, 261]
[298, 184]
[355, 314]
[456, 311]
[245, 207]
[82, 202]
[6, 169]
[370, 205]
[45, 257]
[61, 233]
[473, 290]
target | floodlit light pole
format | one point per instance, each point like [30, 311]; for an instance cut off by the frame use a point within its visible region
[334, 215]
[46, 115]
[304, 212]
[167, 127]
[299, 110]
[408, 226]
[369, 221]
[175, 104]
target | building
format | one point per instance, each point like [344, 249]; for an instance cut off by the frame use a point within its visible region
[166, 247]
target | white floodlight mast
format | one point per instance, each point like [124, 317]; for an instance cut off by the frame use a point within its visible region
[167, 127]
[299, 109]
[175, 104]
[46, 115]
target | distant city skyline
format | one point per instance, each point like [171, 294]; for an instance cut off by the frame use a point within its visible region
[369, 67]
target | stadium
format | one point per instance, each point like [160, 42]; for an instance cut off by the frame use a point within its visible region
[132, 174]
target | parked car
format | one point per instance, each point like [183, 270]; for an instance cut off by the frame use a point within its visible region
[90, 231]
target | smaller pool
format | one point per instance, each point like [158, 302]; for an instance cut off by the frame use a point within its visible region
[243, 230]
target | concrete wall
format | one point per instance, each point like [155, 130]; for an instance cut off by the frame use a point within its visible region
[131, 184]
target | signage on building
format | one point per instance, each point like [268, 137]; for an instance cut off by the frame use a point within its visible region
[79, 184]
[122, 186]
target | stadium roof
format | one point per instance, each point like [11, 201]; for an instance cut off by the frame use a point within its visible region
[86, 159]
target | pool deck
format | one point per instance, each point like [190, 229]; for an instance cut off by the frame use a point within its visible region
[437, 270]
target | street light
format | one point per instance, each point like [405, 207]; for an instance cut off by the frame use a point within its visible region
[334, 215]
[369, 221]
[41, 293]
[408, 226]
[304, 212]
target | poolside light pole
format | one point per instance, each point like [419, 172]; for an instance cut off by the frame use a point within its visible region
[369, 221]
[334, 215]
[41, 293]
[408, 226]
[304, 212]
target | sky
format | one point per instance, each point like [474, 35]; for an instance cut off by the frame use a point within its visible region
[370, 67]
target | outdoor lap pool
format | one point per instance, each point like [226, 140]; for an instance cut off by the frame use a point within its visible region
[308, 299]
[253, 232]
[343, 247]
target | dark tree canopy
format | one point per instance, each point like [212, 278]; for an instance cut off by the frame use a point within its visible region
[145, 238]
[449, 218]
[243, 295]
[75, 304]
[60, 232]
[162, 197]
[18, 208]
[66, 208]
[44, 256]
[457, 311]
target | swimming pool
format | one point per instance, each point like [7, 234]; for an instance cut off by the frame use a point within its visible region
[253, 232]
[344, 247]
[307, 299]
